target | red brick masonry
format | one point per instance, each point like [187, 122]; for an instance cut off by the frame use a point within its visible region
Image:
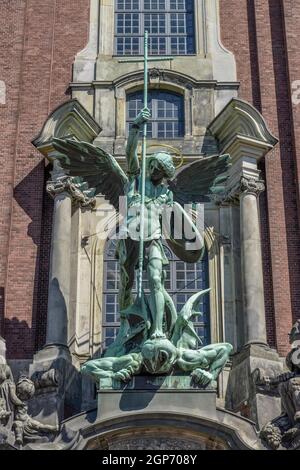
[263, 35]
[39, 40]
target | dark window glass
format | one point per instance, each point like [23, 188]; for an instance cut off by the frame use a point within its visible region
[182, 281]
[167, 113]
[170, 24]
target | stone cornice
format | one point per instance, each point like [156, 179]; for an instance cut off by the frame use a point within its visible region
[169, 76]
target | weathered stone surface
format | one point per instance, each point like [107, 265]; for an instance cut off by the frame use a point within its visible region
[101, 82]
[242, 395]
[53, 399]
[219, 430]
[169, 443]
[155, 395]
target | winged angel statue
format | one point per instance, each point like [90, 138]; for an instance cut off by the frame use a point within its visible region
[152, 336]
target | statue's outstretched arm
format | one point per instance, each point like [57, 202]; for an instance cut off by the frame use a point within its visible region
[133, 140]
[13, 396]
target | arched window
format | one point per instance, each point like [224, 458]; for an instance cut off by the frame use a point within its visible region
[167, 113]
[170, 24]
[182, 281]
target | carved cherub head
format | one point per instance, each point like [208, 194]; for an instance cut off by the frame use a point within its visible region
[25, 388]
[159, 355]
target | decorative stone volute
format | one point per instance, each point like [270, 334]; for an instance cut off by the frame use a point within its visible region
[244, 185]
[65, 184]
[252, 186]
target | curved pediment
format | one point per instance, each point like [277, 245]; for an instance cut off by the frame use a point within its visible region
[239, 120]
[69, 119]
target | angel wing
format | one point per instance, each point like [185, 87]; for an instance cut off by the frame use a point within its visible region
[184, 334]
[97, 170]
[200, 180]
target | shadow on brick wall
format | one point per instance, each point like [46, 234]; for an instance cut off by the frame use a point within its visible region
[31, 196]
[18, 338]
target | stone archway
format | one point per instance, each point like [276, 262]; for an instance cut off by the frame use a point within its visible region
[216, 430]
[157, 439]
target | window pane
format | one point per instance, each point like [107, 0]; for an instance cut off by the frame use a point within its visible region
[157, 46]
[109, 336]
[186, 5]
[167, 120]
[155, 4]
[155, 24]
[128, 4]
[167, 21]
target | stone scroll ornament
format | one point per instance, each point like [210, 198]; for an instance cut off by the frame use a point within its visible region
[283, 432]
[153, 337]
[14, 417]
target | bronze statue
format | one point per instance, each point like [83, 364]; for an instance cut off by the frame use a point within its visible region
[150, 326]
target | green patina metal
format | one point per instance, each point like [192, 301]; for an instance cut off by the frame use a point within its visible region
[153, 337]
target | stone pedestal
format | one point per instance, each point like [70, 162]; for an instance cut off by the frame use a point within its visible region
[242, 396]
[48, 405]
[55, 402]
[160, 394]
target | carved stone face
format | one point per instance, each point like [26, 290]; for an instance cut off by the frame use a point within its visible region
[159, 356]
[25, 389]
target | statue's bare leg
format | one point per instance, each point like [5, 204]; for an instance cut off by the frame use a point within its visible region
[127, 255]
[157, 298]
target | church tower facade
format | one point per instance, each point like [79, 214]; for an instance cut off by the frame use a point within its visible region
[229, 84]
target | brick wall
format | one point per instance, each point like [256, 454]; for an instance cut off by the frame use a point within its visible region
[291, 18]
[255, 31]
[39, 40]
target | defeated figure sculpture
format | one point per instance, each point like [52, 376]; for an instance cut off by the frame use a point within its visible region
[284, 431]
[159, 357]
[26, 428]
[152, 335]
[14, 415]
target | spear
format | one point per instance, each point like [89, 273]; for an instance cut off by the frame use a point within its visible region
[142, 184]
